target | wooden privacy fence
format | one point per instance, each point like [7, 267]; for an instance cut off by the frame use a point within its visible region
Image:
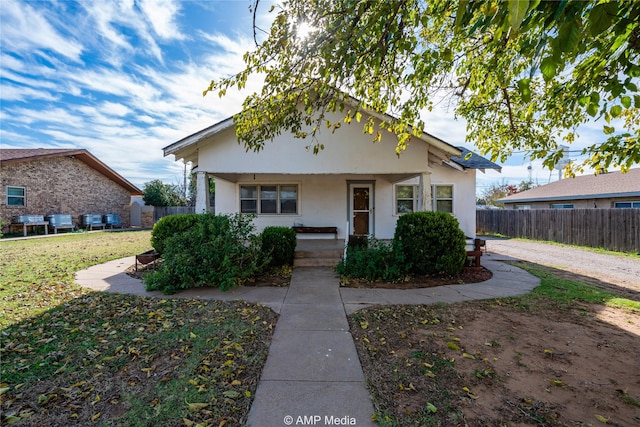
[159, 212]
[613, 229]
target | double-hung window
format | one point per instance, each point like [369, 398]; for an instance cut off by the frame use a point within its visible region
[16, 196]
[443, 198]
[406, 199]
[269, 199]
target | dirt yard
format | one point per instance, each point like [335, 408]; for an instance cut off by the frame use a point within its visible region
[482, 364]
[513, 363]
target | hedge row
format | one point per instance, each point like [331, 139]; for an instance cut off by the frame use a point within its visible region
[215, 250]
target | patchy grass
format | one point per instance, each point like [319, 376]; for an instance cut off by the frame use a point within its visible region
[512, 361]
[37, 274]
[568, 292]
[74, 357]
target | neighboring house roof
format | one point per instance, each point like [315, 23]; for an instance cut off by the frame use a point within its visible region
[14, 155]
[614, 184]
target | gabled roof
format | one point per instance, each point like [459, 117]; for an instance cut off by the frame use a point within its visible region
[614, 184]
[15, 155]
[443, 151]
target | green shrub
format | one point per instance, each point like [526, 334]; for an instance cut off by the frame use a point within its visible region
[374, 261]
[169, 226]
[359, 241]
[216, 251]
[431, 243]
[279, 245]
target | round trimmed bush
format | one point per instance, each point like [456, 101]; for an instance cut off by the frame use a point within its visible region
[431, 243]
[278, 244]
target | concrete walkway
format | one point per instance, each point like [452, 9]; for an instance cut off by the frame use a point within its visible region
[313, 375]
[313, 368]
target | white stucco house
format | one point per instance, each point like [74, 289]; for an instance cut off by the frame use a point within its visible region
[356, 185]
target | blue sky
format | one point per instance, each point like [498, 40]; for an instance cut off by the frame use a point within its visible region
[124, 79]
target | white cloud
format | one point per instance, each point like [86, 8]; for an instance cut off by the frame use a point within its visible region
[115, 109]
[161, 15]
[48, 117]
[152, 18]
[20, 93]
[440, 122]
[16, 139]
[103, 14]
[10, 63]
[27, 29]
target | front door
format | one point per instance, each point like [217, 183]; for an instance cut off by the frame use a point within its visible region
[361, 207]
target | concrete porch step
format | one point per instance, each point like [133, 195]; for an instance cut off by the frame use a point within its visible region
[319, 253]
[315, 262]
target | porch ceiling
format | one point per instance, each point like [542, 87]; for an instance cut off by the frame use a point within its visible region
[391, 178]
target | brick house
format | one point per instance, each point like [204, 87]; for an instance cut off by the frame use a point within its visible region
[61, 181]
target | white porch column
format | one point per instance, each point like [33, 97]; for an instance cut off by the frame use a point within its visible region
[202, 192]
[424, 196]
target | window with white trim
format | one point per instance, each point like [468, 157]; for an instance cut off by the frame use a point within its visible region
[269, 199]
[16, 196]
[631, 204]
[522, 207]
[406, 199]
[443, 198]
[562, 206]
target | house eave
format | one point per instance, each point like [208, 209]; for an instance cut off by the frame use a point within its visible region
[196, 137]
[571, 197]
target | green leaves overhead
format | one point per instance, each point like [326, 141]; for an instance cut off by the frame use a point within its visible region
[517, 12]
[522, 73]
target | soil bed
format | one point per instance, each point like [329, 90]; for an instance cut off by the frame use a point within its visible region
[271, 277]
[468, 275]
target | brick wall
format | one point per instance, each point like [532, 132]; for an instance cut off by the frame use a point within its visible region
[62, 185]
[148, 219]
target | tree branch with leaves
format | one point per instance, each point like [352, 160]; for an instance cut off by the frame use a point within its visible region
[524, 74]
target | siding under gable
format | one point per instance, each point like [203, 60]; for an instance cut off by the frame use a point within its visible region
[346, 150]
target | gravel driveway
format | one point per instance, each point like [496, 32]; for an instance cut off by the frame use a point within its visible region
[623, 271]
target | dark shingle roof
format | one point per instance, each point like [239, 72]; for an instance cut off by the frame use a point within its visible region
[614, 184]
[474, 161]
[7, 154]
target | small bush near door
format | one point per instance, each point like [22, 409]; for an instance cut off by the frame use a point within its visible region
[219, 251]
[279, 245]
[431, 243]
[373, 260]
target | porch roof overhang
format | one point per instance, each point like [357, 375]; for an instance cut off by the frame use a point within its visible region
[389, 177]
